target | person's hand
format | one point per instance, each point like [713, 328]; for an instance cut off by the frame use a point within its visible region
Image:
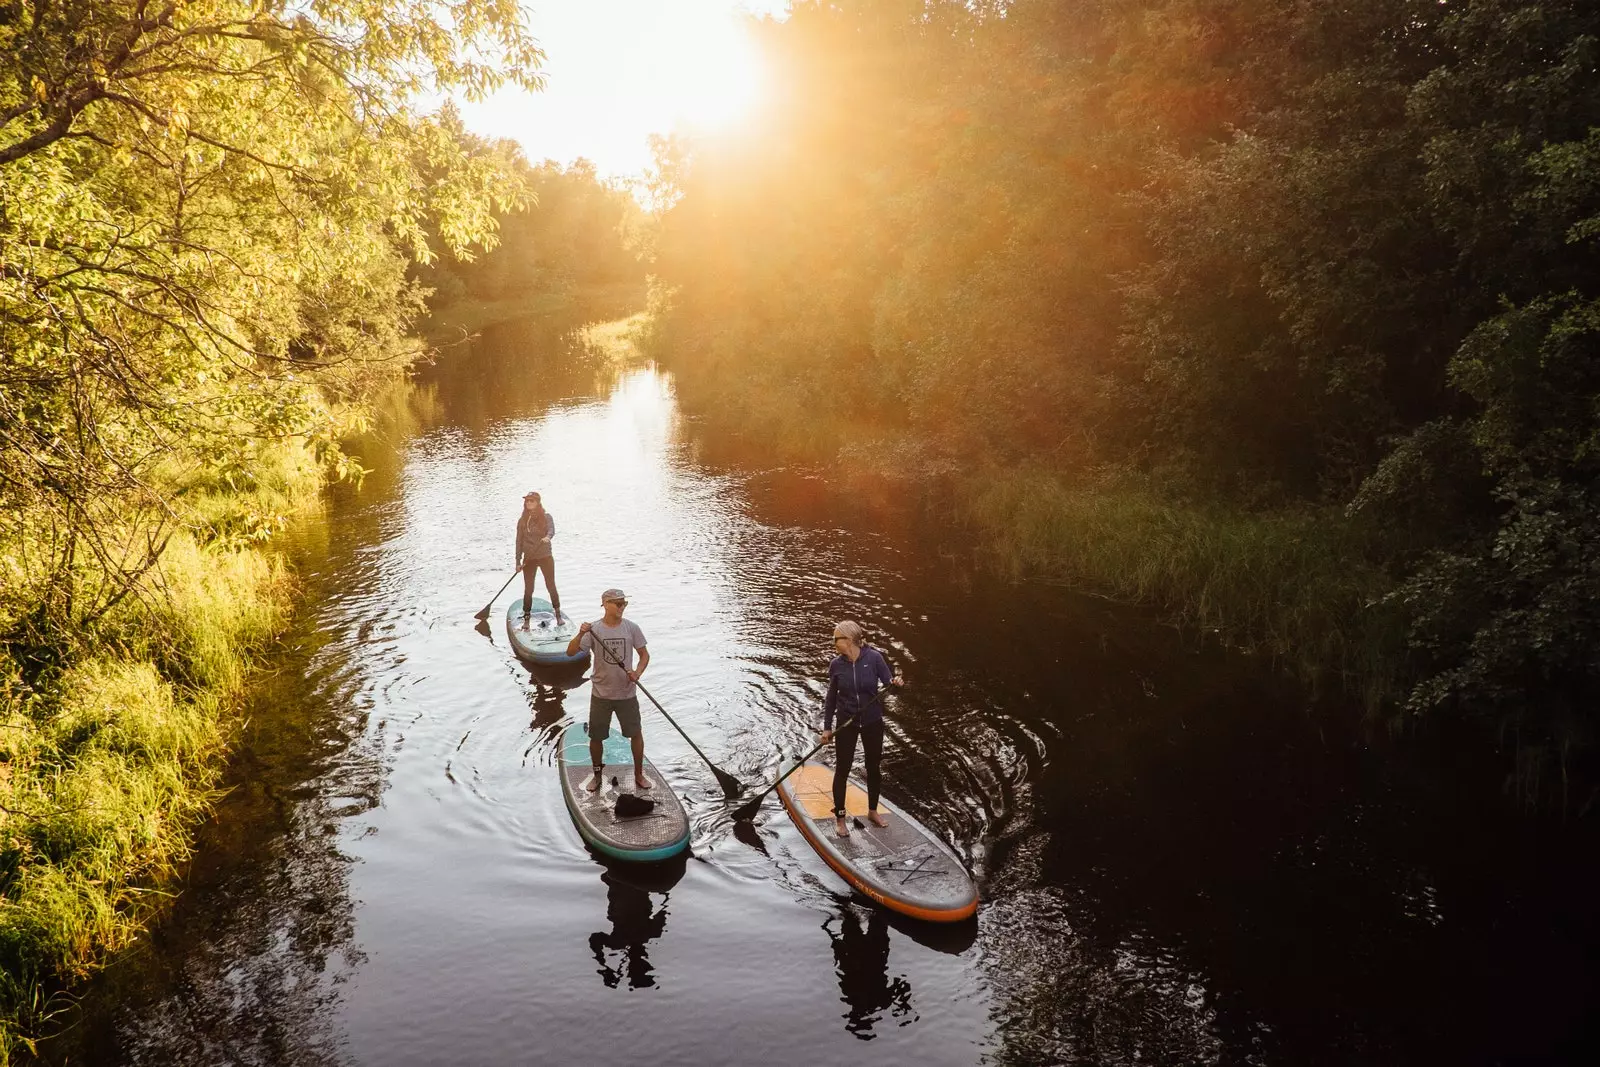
[827, 736]
[898, 679]
[583, 628]
[634, 675]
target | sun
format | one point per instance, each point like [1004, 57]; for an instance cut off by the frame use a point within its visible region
[717, 76]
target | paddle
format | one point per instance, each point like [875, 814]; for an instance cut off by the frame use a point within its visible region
[484, 614]
[730, 784]
[747, 811]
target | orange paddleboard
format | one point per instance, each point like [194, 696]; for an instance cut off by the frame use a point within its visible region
[902, 866]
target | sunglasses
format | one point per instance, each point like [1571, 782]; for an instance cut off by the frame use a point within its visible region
[618, 603]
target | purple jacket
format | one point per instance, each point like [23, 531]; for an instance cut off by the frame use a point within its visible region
[852, 687]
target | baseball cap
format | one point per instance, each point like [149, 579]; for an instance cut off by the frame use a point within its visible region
[529, 496]
[613, 594]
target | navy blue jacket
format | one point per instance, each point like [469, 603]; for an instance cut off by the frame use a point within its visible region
[852, 686]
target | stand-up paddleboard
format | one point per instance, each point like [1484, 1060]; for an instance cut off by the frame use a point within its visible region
[540, 639]
[658, 835]
[902, 866]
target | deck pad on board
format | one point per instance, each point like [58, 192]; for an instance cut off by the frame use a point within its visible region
[662, 833]
[902, 866]
[540, 638]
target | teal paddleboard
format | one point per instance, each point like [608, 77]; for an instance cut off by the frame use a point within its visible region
[540, 638]
[656, 835]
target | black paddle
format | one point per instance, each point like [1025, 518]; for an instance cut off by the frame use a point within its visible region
[747, 811]
[730, 784]
[484, 614]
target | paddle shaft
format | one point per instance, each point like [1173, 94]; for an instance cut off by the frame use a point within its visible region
[727, 780]
[484, 614]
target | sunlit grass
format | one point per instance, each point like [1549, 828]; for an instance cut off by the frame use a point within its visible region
[105, 770]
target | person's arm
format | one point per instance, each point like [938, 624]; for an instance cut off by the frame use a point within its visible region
[577, 641]
[829, 703]
[518, 563]
[887, 674]
[644, 661]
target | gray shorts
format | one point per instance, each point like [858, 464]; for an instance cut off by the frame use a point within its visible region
[600, 709]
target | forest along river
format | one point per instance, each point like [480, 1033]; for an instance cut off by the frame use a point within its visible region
[1182, 861]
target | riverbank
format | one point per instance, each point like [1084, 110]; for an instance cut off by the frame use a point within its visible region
[108, 762]
[1292, 585]
[455, 320]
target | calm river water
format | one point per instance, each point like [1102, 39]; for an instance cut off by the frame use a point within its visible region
[1183, 860]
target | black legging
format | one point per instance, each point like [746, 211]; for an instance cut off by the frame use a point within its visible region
[530, 571]
[845, 754]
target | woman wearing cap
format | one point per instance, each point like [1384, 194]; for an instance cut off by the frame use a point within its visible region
[853, 679]
[535, 528]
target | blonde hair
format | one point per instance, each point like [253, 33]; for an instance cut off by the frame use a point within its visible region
[851, 630]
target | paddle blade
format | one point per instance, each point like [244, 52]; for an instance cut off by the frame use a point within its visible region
[484, 614]
[730, 784]
[747, 811]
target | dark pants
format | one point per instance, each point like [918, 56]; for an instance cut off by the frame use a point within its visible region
[530, 571]
[845, 754]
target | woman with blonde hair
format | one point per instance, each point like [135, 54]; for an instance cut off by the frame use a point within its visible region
[854, 676]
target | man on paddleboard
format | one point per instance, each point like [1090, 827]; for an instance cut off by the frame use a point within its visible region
[612, 688]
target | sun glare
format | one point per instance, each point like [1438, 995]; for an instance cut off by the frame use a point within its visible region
[621, 70]
[719, 78]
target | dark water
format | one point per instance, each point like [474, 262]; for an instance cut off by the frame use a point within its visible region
[1182, 859]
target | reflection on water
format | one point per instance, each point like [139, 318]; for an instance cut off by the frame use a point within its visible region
[861, 954]
[622, 953]
[1181, 861]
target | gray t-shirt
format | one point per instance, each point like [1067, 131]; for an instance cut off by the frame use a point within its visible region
[609, 680]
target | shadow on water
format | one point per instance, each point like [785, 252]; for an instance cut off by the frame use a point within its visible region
[622, 954]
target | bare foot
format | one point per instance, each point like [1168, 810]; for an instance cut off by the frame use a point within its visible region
[642, 782]
[593, 785]
[841, 827]
[877, 820]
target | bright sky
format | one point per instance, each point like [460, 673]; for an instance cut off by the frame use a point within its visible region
[620, 70]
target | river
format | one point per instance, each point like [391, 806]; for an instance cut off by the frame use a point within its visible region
[1183, 858]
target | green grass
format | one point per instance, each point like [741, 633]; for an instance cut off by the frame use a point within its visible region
[462, 318]
[106, 766]
[1293, 585]
[615, 343]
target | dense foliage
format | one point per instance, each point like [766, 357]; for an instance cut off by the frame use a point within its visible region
[206, 214]
[573, 237]
[1266, 255]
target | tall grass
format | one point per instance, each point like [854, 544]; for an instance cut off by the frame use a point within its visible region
[1292, 584]
[106, 767]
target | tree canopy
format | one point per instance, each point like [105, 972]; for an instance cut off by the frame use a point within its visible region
[1257, 252]
[206, 214]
